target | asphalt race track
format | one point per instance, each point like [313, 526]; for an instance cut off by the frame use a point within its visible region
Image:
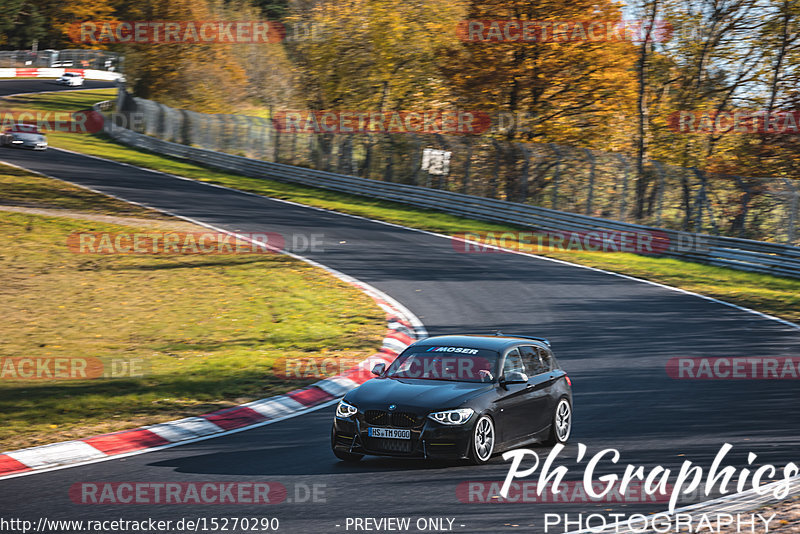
[613, 336]
[10, 87]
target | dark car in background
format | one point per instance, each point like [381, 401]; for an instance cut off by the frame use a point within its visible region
[457, 397]
[23, 136]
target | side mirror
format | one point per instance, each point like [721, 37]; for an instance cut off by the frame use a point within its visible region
[515, 377]
[380, 368]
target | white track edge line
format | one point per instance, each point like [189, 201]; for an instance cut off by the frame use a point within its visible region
[366, 288]
[413, 319]
[440, 235]
[389, 299]
[170, 445]
[563, 262]
[334, 272]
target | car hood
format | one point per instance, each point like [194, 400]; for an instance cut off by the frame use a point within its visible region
[414, 394]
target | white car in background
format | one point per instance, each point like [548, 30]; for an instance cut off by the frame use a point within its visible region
[71, 78]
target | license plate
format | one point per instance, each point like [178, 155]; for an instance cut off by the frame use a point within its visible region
[391, 433]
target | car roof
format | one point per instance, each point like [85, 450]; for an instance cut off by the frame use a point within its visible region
[23, 128]
[482, 341]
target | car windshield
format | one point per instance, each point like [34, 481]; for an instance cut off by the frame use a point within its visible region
[23, 136]
[455, 364]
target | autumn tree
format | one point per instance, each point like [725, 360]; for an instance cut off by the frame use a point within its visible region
[374, 54]
[713, 64]
[23, 22]
[206, 77]
[570, 91]
[778, 154]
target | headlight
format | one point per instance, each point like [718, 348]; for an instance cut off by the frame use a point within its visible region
[345, 410]
[453, 417]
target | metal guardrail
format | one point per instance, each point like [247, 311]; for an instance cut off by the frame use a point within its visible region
[73, 59]
[740, 254]
[593, 182]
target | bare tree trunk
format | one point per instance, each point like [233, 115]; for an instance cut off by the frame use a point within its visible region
[641, 109]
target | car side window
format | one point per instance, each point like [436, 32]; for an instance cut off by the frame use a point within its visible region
[547, 359]
[533, 361]
[513, 362]
[530, 359]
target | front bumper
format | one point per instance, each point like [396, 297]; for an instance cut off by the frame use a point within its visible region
[429, 439]
[31, 146]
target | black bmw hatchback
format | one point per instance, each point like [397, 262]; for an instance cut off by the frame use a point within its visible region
[468, 396]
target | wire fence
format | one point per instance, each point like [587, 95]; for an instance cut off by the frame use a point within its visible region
[576, 180]
[77, 59]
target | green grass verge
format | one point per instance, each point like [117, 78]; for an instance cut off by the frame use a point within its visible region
[208, 331]
[769, 294]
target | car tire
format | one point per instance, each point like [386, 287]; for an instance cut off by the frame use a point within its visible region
[483, 440]
[561, 424]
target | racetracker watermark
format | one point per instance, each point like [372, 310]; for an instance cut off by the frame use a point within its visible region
[71, 368]
[191, 243]
[82, 122]
[258, 523]
[313, 368]
[568, 491]
[735, 122]
[736, 368]
[448, 122]
[173, 31]
[562, 31]
[638, 242]
[204, 493]
[435, 365]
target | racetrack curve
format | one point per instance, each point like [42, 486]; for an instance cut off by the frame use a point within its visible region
[613, 335]
[12, 87]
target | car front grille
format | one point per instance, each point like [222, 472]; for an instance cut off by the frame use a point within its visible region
[394, 419]
[404, 420]
[442, 448]
[377, 417]
[389, 445]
